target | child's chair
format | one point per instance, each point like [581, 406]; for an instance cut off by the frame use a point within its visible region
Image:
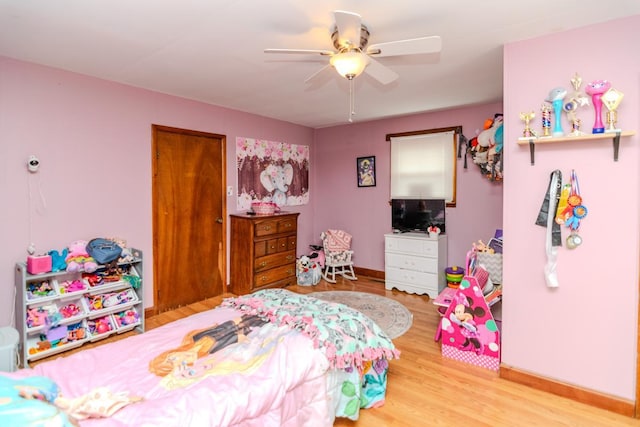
[337, 255]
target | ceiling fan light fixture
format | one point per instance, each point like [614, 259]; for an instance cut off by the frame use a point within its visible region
[349, 63]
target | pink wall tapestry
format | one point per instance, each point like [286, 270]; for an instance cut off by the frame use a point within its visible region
[271, 171]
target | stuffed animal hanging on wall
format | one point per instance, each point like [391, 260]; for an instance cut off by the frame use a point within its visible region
[486, 148]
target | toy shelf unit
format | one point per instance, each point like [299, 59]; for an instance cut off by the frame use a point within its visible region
[62, 310]
[415, 263]
[615, 136]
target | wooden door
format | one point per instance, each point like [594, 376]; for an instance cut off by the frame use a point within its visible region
[189, 210]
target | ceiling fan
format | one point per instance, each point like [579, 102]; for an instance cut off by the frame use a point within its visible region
[354, 55]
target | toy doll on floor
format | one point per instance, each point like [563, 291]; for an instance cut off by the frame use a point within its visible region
[200, 343]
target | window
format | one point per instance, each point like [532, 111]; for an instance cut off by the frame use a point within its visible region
[423, 164]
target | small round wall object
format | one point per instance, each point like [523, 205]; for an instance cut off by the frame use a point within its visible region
[573, 241]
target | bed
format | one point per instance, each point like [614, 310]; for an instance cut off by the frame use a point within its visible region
[291, 360]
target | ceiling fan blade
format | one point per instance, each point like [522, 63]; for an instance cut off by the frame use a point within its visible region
[303, 51]
[380, 72]
[420, 45]
[317, 73]
[349, 25]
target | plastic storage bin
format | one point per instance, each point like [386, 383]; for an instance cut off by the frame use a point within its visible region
[9, 338]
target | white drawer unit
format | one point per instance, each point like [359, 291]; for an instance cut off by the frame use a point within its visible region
[415, 263]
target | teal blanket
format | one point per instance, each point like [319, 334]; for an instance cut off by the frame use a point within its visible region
[347, 337]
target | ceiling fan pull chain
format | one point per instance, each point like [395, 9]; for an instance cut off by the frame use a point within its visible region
[352, 101]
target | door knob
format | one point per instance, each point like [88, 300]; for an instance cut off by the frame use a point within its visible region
[219, 220]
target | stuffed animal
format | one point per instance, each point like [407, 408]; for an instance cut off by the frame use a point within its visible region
[482, 247]
[486, 148]
[58, 262]
[487, 138]
[126, 255]
[308, 272]
[78, 259]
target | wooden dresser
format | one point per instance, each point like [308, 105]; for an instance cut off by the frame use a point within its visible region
[263, 251]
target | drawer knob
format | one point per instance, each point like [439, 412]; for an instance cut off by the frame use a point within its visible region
[289, 257]
[263, 264]
[263, 278]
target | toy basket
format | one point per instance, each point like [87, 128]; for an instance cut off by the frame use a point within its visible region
[493, 264]
[264, 208]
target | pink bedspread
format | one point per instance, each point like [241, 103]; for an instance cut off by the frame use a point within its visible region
[288, 388]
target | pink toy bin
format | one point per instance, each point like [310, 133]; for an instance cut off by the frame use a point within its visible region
[38, 264]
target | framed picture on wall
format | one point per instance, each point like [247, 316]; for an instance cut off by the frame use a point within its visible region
[366, 170]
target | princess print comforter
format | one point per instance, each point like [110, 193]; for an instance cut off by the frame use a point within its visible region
[284, 373]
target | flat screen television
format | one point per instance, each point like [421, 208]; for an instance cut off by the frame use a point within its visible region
[418, 214]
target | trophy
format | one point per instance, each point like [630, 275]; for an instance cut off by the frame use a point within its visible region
[546, 118]
[526, 118]
[555, 98]
[596, 89]
[576, 101]
[611, 99]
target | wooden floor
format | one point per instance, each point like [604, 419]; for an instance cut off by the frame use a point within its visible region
[425, 389]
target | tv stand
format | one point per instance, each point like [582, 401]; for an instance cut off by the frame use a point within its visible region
[415, 262]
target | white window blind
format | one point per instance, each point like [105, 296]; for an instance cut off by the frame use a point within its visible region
[423, 166]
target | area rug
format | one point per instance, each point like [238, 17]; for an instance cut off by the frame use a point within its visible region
[392, 317]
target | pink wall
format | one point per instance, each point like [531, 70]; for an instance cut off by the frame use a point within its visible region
[479, 201]
[93, 139]
[583, 332]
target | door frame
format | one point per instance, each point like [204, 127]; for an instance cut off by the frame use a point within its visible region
[637, 403]
[222, 257]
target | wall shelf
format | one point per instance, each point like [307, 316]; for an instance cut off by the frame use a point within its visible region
[615, 136]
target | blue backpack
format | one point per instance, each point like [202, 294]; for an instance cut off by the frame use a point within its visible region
[104, 251]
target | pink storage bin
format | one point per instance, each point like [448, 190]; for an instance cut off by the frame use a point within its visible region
[38, 264]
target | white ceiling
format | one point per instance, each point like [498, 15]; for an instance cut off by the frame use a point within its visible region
[212, 50]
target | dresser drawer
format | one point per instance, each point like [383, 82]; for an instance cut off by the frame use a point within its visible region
[414, 246]
[292, 243]
[411, 262]
[416, 278]
[271, 261]
[265, 277]
[274, 246]
[275, 226]
[266, 227]
[265, 247]
[287, 225]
